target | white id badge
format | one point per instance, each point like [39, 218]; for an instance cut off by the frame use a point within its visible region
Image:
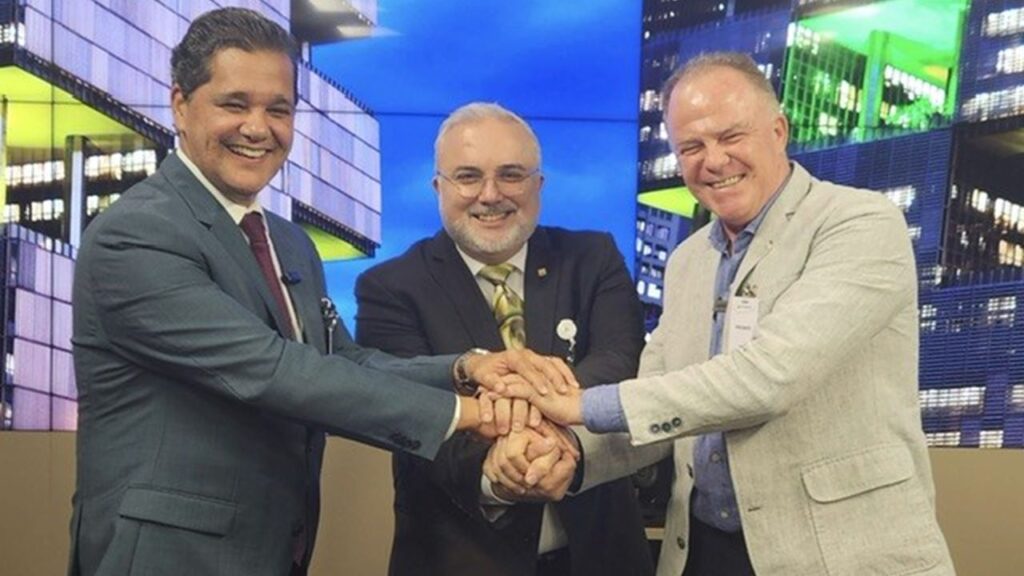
[740, 322]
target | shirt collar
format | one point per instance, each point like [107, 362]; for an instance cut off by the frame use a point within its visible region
[518, 260]
[235, 210]
[719, 239]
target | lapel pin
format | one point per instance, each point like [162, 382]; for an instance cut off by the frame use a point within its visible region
[542, 272]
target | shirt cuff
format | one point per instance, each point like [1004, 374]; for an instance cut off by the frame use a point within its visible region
[602, 410]
[455, 418]
[487, 495]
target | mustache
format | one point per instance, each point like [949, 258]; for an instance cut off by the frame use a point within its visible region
[493, 210]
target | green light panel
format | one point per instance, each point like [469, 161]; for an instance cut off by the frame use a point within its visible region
[677, 200]
[873, 70]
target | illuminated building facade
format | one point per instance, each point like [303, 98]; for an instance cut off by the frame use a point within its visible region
[922, 101]
[84, 114]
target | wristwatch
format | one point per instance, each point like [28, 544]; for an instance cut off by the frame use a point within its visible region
[462, 383]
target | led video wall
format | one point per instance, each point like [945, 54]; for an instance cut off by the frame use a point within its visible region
[84, 114]
[920, 100]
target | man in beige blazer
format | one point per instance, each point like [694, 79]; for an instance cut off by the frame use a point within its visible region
[783, 373]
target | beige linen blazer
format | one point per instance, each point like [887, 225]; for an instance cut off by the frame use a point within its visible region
[820, 410]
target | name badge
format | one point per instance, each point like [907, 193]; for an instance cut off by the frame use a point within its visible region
[740, 322]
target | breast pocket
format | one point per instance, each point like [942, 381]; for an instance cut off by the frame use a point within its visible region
[871, 515]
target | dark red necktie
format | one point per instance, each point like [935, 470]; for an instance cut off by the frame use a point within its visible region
[252, 226]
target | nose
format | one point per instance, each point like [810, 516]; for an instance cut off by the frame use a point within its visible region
[715, 158]
[254, 127]
[489, 192]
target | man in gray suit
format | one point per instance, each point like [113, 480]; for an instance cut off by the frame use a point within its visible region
[784, 369]
[206, 379]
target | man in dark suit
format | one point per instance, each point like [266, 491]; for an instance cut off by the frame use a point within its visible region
[205, 382]
[571, 295]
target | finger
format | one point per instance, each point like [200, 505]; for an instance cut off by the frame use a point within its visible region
[486, 404]
[516, 446]
[567, 374]
[519, 389]
[492, 382]
[563, 438]
[540, 467]
[489, 466]
[557, 373]
[514, 477]
[568, 442]
[525, 363]
[556, 483]
[520, 413]
[540, 445]
[536, 416]
[502, 414]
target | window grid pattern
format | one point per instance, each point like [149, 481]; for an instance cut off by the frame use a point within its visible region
[38, 390]
[991, 79]
[123, 48]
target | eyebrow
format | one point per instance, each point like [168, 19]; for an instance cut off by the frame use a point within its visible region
[499, 167]
[735, 127]
[245, 96]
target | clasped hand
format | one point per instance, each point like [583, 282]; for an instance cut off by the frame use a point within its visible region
[523, 398]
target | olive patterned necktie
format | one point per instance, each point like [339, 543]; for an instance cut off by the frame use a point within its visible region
[507, 306]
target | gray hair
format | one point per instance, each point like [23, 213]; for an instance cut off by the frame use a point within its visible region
[217, 30]
[477, 111]
[708, 61]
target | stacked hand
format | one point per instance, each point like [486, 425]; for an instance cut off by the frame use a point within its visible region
[533, 464]
[522, 396]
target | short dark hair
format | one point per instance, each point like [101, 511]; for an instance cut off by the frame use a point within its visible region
[736, 61]
[220, 29]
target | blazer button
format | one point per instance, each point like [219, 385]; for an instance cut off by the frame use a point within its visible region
[681, 542]
[677, 422]
[655, 428]
[666, 427]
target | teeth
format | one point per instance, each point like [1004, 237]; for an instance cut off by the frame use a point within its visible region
[727, 182]
[490, 217]
[248, 152]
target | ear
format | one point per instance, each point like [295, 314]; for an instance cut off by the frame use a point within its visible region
[179, 106]
[780, 129]
[436, 183]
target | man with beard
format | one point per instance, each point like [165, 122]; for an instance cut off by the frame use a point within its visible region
[493, 279]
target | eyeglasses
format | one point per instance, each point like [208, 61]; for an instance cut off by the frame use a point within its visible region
[508, 181]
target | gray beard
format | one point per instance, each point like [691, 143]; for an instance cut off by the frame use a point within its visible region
[463, 236]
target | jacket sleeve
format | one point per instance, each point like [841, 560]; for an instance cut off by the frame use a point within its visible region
[616, 331]
[390, 322]
[159, 306]
[857, 276]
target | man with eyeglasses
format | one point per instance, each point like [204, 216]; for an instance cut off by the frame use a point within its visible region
[492, 279]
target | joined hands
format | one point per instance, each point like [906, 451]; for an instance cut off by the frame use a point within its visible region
[522, 403]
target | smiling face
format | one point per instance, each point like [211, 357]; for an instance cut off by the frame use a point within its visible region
[492, 226]
[237, 128]
[730, 140]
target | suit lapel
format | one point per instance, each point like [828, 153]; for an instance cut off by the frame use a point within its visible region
[697, 341]
[541, 279]
[211, 214]
[294, 261]
[773, 225]
[473, 311]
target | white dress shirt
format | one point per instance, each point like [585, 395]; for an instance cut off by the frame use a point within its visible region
[552, 531]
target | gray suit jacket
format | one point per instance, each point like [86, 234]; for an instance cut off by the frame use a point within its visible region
[820, 410]
[201, 428]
